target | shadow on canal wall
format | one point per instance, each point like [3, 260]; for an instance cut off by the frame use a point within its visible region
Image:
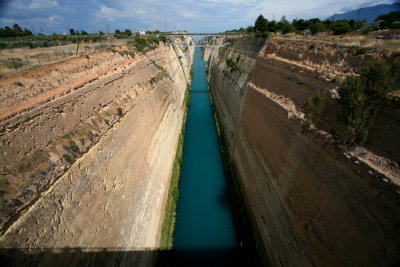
[244, 227]
[309, 203]
[111, 257]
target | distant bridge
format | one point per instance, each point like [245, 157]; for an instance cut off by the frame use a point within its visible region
[202, 34]
[201, 45]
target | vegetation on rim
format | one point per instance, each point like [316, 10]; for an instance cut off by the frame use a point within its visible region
[232, 65]
[362, 97]
[314, 107]
[173, 193]
[262, 25]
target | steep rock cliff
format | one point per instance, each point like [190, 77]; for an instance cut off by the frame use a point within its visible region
[310, 203]
[106, 146]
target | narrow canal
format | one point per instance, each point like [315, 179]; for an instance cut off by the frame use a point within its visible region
[204, 230]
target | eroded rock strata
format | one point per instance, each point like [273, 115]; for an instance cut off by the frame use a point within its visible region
[311, 204]
[87, 148]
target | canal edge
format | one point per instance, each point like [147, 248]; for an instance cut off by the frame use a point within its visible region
[168, 225]
[243, 223]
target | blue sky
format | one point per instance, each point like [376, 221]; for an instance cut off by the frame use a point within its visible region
[192, 15]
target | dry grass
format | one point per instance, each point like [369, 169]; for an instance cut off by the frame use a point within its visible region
[351, 40]
[36, 57]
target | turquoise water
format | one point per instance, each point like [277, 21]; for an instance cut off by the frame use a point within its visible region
[204, 229]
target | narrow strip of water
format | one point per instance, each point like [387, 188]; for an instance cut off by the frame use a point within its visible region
[204, 229]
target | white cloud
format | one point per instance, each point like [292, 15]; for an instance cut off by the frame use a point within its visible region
[55, 18]
[189, 14]
[113, 14]
[109, 13]
[192, 15]
[35, 4]
[233, 2]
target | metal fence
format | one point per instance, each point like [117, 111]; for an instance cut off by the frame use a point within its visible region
[16, 60]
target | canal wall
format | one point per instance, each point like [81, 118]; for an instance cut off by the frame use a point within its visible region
[88, 163]
[310, 202]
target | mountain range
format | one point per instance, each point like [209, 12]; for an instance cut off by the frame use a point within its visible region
[368, 13]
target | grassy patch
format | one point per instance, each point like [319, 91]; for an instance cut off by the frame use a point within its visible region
[158, 77]
[191, 73]
[187, 97]
[173, 194]
[363, 50]
[13, 63]
[67, 158]
[119, 112]
[314, 107]
[232, 65]
[73, 147]
[3, 180]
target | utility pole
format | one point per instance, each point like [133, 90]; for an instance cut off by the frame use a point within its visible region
[77, 49]
[358, 14]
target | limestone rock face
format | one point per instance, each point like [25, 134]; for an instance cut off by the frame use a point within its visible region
[311, 204]
[106, 130]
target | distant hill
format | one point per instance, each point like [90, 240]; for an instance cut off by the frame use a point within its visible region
[369, 13]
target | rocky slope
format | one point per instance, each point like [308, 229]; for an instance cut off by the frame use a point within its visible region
[87, 147]
[311, 204]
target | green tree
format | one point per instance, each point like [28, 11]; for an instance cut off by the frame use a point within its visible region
[328, 25]
[128, 32]
[72, 32]
[162, 38]
[314, 106]
[27, 32]
[117, 31]
[261, 24]
[250, 29]
[287, 28]
[16, 28]
[272, 26]
[341, 27]
[386, 20]
[299, 24]
[362, 97]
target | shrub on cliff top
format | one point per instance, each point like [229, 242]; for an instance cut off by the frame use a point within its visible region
[314, 107]
[72, 145]
[232, 65]
[341, 27]
[162, 38]
[362, 97]
[140, 43]
[261, 24]
[119, 112]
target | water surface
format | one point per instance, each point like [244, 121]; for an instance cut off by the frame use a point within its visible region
[204, 230]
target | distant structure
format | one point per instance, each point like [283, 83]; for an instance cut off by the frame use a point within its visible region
[142, 32]
[370, 25]
[307, 32]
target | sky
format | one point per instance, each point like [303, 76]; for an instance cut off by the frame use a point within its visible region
[57, 16]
